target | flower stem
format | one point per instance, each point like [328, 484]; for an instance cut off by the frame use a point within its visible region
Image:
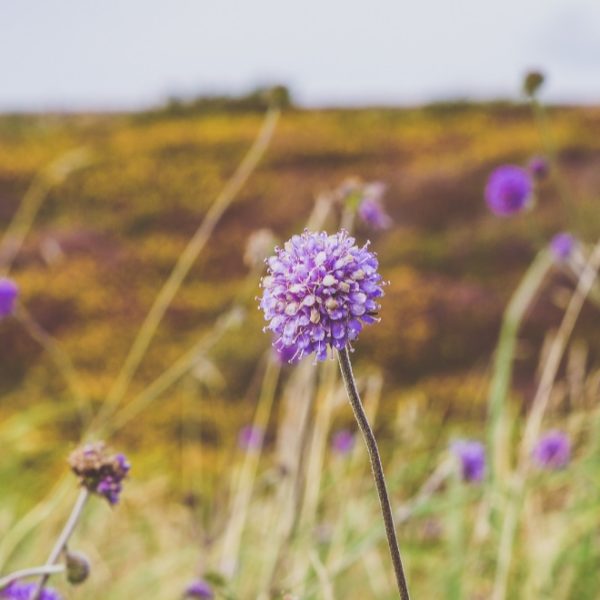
[371, 442]
[30, 572]
[63, 538]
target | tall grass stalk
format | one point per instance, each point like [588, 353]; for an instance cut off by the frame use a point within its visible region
[34, 197]
[61, 360]
[516, 310]
[185, 262]
[242, 493]
[534, 421]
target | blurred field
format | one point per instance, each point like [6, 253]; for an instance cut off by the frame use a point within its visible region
[107, 236]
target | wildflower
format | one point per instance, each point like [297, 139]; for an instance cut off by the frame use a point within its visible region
[100, 472]
[532, 82]
[553, 450]
[562, 246]
[26, 591]
[508, 190]
[199, 589]
[250, 437]
[286, 354]
[9, 292]
[343, 441]
[371, 209]
[319, 292]
[471, 455]
[538, 167]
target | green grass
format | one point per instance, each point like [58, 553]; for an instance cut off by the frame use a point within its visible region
[106, 237]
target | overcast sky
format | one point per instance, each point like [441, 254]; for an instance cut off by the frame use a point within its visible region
[79, 54]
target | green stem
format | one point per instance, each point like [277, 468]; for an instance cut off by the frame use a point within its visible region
[60, 358]
[503, 362]
[30, 572]
[63, 538]
[33, 199]
[562, 187]
[371, 442]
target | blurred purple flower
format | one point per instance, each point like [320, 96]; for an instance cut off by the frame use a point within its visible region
[25, 591]
[250, 437]
[9, 291]
[539, 167]
[562, 246]
[371, 209]
[100, 472]
[553, 450]
[508, 190]
[199, 589]
[343, 441]
[471, 455]
[319, 292]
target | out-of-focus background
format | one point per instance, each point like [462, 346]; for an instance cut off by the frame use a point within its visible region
[124, 122]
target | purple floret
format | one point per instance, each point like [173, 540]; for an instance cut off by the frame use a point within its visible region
[343, 441]
[508, 190]
[553, 451]
[250, 437]
[25, 591]
[199, 589]
[9, 291]
[471, 455]
[539, 167]
[562, 246]
[371, 209]
[319, 292]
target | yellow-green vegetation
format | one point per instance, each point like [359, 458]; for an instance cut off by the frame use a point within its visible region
[297, 519]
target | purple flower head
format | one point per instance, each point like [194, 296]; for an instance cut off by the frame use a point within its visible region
[562, 246]
[508, 190]
[343, 441]
[250, 437]
[471, 455]
[319, 291]
[371, 210]
[286, 354]
[553, 450]
[100, 472]
[539, 167]
[25, 591]
[199, 589]
[9, 292]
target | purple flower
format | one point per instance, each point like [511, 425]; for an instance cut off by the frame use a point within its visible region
[100, 472]
[319, 292]
[199, 589]
[343, 441]
[250, 437]
[471, 455]
[508, 190]
[553, 450]
[562, 246]
[286, 354]
[9, 292]
[370, 209]
[539, 167]
[25, 591]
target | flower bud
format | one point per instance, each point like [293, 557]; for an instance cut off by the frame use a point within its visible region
[532, 82]
[78, 567]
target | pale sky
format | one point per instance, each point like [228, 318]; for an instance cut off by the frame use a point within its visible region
[90, 54]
